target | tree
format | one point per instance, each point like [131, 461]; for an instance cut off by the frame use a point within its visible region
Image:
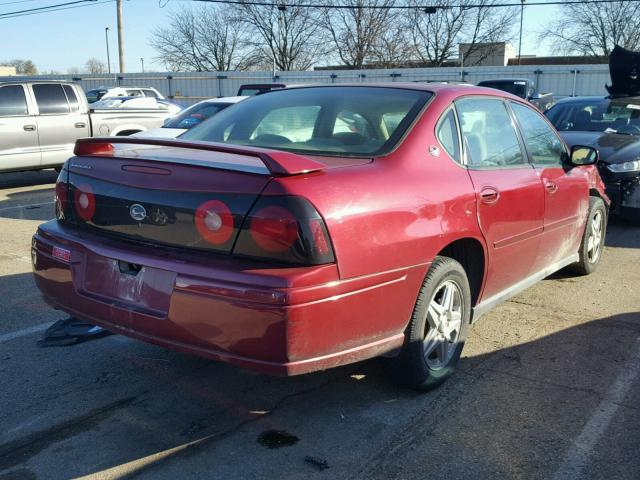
[286, 36]
[204, 39]
[436, 34]
[595, 28]
[357, 32]
[23, 67]
[94, 66]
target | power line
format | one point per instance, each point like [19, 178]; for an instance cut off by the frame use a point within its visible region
[53, 8]
[45, 8]
[426, 8]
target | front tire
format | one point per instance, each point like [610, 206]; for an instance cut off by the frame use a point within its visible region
[439, 324]
[592, 243]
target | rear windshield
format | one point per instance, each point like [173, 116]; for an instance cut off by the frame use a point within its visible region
[95, 95]
[195, 115]
[351, 121]
[515, 88]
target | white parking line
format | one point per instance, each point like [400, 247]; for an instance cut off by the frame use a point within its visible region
[578, 455]
[15, 207]
[23, 333]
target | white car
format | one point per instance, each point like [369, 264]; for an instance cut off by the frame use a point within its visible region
[103, 92]
[190, 117]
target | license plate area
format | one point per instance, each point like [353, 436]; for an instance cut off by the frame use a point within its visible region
[129, 285]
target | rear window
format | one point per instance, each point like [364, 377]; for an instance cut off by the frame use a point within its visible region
[71, 97]
[95, 95]
[341, 121]
[515, 88]
[51, 99]
[195, 115]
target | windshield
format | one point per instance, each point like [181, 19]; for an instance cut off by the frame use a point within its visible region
[515, 88]
[351, 121]
[195, 115]
[597, 115]
[95, 95]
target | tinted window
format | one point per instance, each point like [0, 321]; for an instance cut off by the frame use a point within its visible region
[543, 143]
[71, 97]
[134, 93]
[596, 115]
[448, 135]
[317, 120]
[195, 114]
[515, 88]
[13, 101]
[95, 95]
[489, 135]
[50, 99]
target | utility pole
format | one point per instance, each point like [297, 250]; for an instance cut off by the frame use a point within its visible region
[120, 37]
[142, 63]
[106, 39]
[520, 41]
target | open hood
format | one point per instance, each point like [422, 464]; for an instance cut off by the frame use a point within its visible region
[624, 67]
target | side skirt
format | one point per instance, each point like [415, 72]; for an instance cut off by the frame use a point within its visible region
[491, 302]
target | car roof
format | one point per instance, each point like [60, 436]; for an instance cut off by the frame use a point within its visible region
[453, 90]
[224, 99]
[22, 82]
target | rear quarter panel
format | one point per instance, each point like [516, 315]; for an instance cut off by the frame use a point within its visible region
[396, 212]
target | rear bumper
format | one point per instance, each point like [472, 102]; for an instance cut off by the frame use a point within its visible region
[275, 320]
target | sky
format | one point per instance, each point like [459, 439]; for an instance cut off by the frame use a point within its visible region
[68, 38]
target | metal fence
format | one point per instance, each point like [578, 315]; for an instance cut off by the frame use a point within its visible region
[191, 87]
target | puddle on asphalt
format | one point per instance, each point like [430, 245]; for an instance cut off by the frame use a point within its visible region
[277, 439]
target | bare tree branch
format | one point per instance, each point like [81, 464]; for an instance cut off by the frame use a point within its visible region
[204, 39]
[594, 29]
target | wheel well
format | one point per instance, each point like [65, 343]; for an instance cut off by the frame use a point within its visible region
[125, 133]
[593, 192]
[470, 254]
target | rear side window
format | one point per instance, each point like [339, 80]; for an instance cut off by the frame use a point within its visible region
[543, 143]
[71, 97]
[489, 134]
[134, 93]
[447, 133]
[150, 93]
[13, 101]
[50, 99]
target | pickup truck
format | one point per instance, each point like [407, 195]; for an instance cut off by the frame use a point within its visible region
[523, 88]
[40, 122]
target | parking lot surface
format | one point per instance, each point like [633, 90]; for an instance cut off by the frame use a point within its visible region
[547, 387]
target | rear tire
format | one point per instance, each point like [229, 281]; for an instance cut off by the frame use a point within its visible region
[439, 324]
[592, 244]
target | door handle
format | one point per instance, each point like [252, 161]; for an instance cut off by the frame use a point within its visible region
[80, 125]
[29, 128]
[550, 186]
[489, 195]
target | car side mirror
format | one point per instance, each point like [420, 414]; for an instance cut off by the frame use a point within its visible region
[582, 155]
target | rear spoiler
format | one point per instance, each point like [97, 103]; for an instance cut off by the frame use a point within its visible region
[279, 163]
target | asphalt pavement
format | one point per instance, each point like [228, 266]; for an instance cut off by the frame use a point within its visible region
[547, 388]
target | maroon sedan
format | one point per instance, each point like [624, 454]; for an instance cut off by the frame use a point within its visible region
[313, 227]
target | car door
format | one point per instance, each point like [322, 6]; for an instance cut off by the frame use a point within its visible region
[509, 195]
[60, 121]
[18, 130]
[566, 189]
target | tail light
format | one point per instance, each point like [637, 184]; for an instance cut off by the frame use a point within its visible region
[285, 229]
[214, 222]
[84, 202]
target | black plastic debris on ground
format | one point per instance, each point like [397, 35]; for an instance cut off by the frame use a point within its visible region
[69, 332]
[319, 463]
[277, 439]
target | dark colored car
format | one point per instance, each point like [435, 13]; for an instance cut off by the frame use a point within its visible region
[523, 88]
[314, 227]
[612, 126]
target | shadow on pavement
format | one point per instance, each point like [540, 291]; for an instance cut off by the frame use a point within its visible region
[28, 205]
[27, 179]
[509, 413]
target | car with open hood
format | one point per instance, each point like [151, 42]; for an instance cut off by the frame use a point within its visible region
[313, 227]
[610, 124]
